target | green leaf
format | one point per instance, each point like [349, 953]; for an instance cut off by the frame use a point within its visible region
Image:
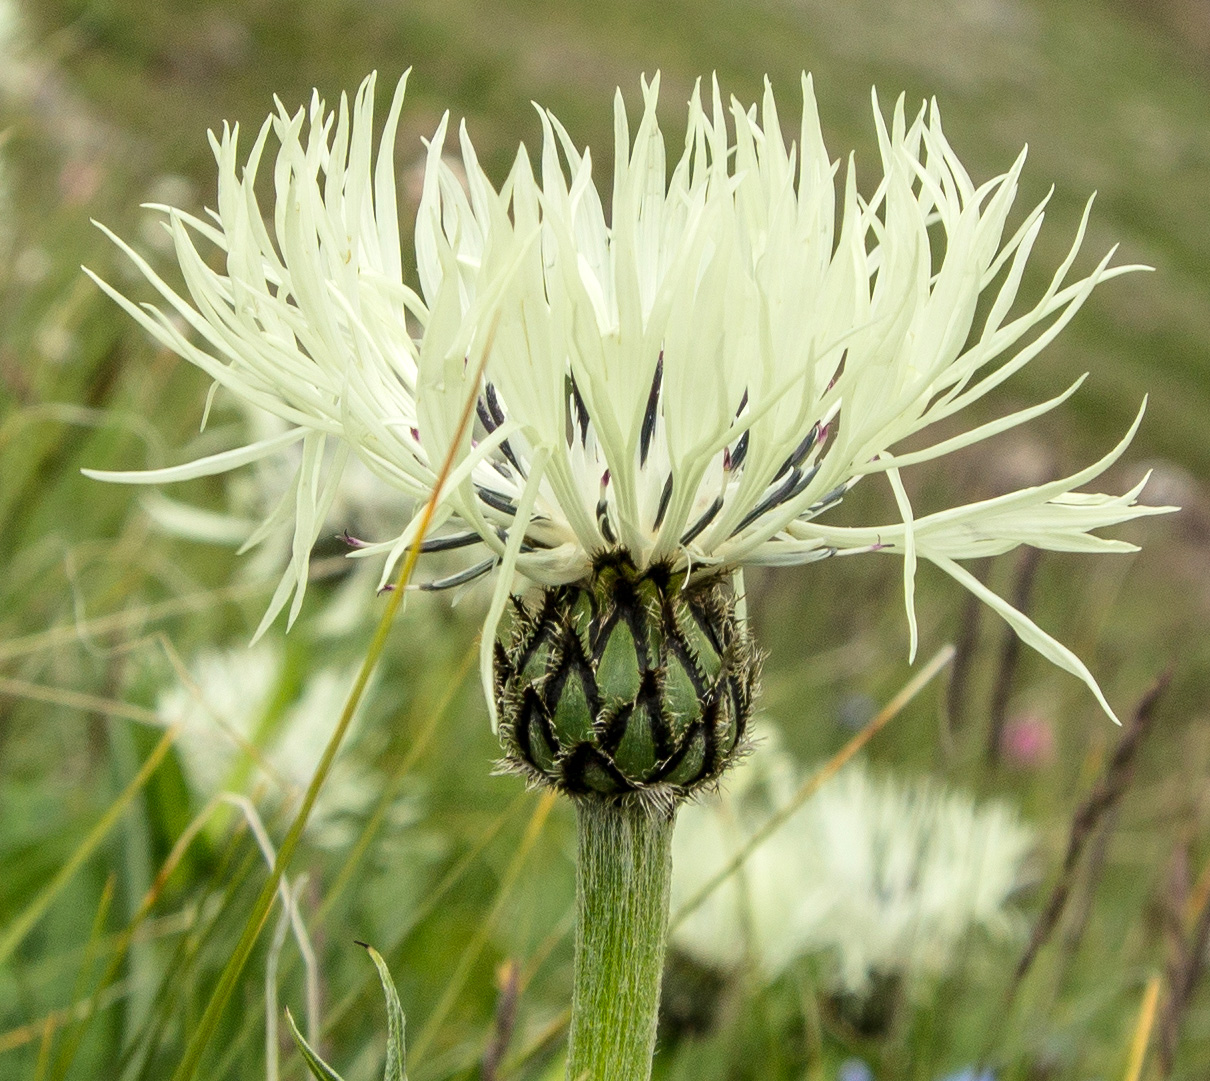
[320, 1070]
[397, 1062]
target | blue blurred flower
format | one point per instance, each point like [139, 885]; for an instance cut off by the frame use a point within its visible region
[854, 1069]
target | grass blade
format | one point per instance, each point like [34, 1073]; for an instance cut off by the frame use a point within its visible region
[24, 923]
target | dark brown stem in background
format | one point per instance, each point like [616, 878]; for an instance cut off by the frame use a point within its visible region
[1010, 653]
[1093, 869]
[1105, 796]
[508, 980]
[1186, 956]
[965, 644]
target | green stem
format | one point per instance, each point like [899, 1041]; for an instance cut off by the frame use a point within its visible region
[623, 872]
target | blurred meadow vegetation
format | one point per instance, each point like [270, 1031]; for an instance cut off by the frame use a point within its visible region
[451, 872]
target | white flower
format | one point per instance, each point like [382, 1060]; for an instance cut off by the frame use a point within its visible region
[696, 377]
[363, 504]
[236, 737]
[885, 875]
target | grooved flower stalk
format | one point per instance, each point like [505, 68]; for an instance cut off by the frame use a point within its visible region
[623, 871]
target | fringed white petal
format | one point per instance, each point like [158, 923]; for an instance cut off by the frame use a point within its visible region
[697, 380]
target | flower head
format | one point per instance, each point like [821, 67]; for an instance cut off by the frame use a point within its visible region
[235, 737]
[887, 875]
[691, 380]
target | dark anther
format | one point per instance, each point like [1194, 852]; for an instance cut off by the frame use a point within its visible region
[830, 500]
[603, 522]
[351, 541]
[468, 575]
[485, 417]
[445, 544]
[493, 406]
[801, 451]
[653, 401]
[662, 509]
[492, 499]
[703, 521]
[801, 486]
[508, 453]
[525, 545]
[795, 484]
[491, 416]
[581, 409]
[741, 450]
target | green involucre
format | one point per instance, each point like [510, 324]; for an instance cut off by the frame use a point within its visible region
[636, 682]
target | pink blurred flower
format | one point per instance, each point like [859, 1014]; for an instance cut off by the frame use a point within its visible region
[1028, 741]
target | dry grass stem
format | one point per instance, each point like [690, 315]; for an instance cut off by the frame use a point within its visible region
[1106, 795]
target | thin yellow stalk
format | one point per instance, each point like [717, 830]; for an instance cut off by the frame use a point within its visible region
[1142, 1030]
[817, 780]
[86, 703]
[392, 788]
[475, 947]
[22, 925]
[264, 902]
[204, 600]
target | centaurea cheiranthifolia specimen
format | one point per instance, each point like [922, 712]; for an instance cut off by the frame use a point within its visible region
[674, 390]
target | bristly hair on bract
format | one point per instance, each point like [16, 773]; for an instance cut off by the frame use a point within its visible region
[634, 688]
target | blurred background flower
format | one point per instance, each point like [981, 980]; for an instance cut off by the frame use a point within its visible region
[245, 729]
[887, 876]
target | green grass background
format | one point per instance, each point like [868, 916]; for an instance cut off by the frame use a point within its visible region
[101, 100]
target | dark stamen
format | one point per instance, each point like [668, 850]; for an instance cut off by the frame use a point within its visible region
[491, 416]
[800, 452]
[493, 405]
[525, 545]
[581, 409]
[653, 400]
[703, 521]
[830, 500]
[468, 575]
[665, 496]
[795, 484]
[508, 453]
[741, 450]
[485, 417]
[804, 448]
[603, 522]
[445, 544]
[350, 540]
[498, 502]
[801, 486]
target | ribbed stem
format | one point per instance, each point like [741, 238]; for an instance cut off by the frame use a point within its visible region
[622, 879]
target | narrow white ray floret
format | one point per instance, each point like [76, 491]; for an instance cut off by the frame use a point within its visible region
[695, 377]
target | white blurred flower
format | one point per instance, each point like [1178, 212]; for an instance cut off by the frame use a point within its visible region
[695, 381]
[886, 876]
[238, 737]
[363, 504]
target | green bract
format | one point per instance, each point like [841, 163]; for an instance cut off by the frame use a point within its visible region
[635, 682]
